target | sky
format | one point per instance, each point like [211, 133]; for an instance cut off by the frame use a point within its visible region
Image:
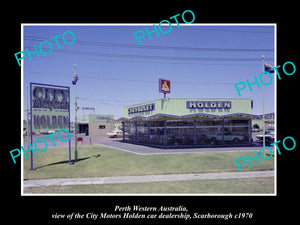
[201, 60]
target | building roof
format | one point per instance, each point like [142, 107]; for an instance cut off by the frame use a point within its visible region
[161, 116]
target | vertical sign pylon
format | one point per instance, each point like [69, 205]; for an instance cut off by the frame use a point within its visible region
[49, 111]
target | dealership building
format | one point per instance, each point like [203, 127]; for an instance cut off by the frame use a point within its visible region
[190, 122]
[95, 124]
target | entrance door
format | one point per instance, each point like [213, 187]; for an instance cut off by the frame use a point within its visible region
[84, 128]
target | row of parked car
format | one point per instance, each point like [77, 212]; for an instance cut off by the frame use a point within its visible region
[269, 136]
[213, 138]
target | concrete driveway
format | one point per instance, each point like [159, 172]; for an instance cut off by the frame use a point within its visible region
[146, 150]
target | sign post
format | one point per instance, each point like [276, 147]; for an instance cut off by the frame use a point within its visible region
[74, 81]
[50, 110]
[164, 86]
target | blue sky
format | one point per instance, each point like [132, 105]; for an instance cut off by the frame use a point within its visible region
[114, 71]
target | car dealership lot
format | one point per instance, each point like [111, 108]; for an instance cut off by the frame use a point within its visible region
[101, 157]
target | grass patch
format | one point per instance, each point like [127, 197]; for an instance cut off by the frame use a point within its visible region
[236, 186]
[101, 161]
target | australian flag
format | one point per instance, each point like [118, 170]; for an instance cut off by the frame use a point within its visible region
[75, 79]
[268, 68]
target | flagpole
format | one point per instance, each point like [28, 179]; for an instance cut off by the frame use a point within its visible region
[264, 126]
[76, 152]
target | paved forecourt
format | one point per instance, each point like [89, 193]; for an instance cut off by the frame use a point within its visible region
[141, 149]
[147, 150]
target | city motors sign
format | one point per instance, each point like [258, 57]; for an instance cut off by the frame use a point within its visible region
[208, 104]
[50, 107]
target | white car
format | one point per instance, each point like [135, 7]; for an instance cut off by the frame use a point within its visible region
[47, 131]
[269, 138]
[115, 134]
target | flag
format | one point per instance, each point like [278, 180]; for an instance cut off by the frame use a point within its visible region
[268, 68]
[75, 79]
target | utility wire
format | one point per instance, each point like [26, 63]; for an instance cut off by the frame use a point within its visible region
[111, 100]
[110, 44]
[104, 54]
[27, 72]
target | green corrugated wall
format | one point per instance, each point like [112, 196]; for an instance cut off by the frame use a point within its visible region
[177, 106]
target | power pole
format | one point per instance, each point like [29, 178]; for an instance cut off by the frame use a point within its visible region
[75, 75]
[264, 125]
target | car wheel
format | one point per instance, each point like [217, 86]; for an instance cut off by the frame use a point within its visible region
[236, 140]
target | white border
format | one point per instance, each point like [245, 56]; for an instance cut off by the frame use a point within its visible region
[22, 108]
[151, 24]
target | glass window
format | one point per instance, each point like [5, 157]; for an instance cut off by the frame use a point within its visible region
[236, 131]
[180, 136]
[209, 135]
[142, 132]
[236, 123]
[209, 131]
[176, 123]
[157, 135]
[156, 124]
[236, 135]
[129, 132]
[209, 123]
[142, 124]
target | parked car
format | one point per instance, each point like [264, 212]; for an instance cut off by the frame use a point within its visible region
[269, 137]
[47, 131]
[115, 134]
[227, 137]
